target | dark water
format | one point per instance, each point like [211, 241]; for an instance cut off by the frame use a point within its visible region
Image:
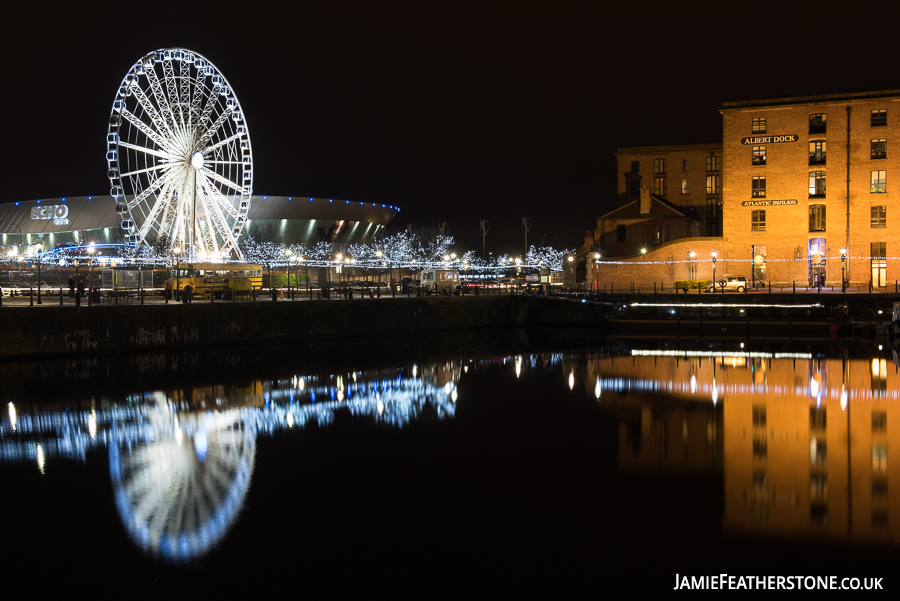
[508, 463]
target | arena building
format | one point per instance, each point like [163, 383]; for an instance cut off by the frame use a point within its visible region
[802, 182]
[78, 220]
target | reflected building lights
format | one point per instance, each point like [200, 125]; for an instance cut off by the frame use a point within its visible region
[571, 380]
[12, 416]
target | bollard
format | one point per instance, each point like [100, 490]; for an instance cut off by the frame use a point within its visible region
[870, 286]
[60, 297]
[31, 295]
[142, 296]
[77, 299]
[793, 287]
[654, 288]
[770, 286]
[274, 292]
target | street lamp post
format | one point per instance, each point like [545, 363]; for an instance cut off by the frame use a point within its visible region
[91, 274]
[287, 253]
[39, 248]
[596, 272]
[691, 266]
[176, 251]
[714, 255]
[843, 259]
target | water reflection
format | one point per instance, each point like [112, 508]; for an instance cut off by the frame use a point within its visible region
[181, 462]
[804, 441]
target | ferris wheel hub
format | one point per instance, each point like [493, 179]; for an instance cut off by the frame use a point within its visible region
[197, 160]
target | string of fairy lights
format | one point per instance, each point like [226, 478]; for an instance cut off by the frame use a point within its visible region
[398, 251]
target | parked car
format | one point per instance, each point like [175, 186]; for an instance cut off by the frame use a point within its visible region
[738, 283]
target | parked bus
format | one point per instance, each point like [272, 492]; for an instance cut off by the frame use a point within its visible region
[437, 280]
[204, 279]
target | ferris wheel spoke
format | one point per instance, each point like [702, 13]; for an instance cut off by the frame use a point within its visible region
[172, 88]
[185, 77]
[196, 99]
[222, 180]
[208, 107]
[163, 155]
[146, 130]
[221, 143]
[180, 219]
[147, 170]
[162, 128]
[161, 99]
[222, 224]
[214, 193]
[208, 134]
[154, 186]
[210, 224]
[151, 219]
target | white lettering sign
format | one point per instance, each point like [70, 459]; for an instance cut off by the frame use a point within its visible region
[769, 139]
[58, 213]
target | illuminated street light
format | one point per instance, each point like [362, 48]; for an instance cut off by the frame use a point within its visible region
[843, 259]
[714, 255]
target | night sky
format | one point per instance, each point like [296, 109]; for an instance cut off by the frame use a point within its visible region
[453, 111]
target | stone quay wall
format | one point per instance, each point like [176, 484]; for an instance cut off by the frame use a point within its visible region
[48, 331]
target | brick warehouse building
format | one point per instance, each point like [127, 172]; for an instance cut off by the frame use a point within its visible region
[805, 177]
[789, 195]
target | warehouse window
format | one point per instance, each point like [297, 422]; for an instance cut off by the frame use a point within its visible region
[879, 216]
[817, 218]
[685, 164]
[758, 221]
[759, 125]
[759, 187]
[817, 184]
[659, 186]
[659, 166]
[712, 184]
[712, 163]
[879, 182]
[817, 123]
[817, 152]
[759, 155]
[879, 149]
[879, 117]
[685, 186]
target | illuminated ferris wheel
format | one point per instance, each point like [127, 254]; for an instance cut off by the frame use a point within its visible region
[179, 155]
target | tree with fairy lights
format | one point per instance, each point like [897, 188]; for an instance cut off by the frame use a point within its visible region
[546, 256]
[267, 253]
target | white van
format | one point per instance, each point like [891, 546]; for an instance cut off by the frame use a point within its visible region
[436, 280]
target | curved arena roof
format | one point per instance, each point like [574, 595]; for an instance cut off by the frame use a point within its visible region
[74, 213]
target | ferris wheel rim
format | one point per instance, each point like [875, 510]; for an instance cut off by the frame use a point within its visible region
[183, 143]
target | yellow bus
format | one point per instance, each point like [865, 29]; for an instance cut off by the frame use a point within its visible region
[203, 279]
